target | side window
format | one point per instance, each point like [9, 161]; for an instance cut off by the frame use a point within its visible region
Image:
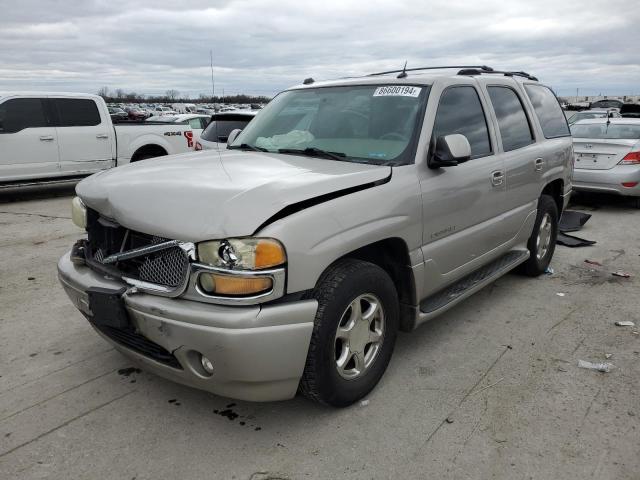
[20, 113]
[76, 112]
[195, 123]
[460, 111]
[512, 121]
[204, 122]
[548, 111]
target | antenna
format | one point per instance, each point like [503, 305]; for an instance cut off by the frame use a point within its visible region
[403, 73]
[213, 85]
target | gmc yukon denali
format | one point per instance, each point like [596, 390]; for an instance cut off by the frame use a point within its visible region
[346, 211]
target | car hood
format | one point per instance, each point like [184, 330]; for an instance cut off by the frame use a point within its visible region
[203, 196]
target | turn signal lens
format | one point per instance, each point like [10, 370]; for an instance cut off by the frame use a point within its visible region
[269, 253]
[78, 213]
[231, 285]
[631, 158]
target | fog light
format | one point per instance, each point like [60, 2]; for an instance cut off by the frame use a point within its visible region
[206, 364]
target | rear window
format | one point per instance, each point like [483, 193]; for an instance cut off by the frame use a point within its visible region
[604, 131]
[21, 113]
[221, 126]
[76, 112]
[548, 111]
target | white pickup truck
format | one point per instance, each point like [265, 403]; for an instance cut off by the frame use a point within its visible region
[60, 136]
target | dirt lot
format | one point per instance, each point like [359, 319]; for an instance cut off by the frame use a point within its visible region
[489, 390]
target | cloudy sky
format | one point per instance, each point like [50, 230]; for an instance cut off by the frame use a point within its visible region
[263, 46]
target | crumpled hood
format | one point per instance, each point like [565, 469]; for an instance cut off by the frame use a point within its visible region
[203, 196]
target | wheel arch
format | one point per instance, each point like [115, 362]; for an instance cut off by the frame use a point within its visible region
[555, 190]
[150, 149]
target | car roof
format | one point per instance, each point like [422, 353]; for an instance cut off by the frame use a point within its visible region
[614, 120]
[427, 77]
[48, 94]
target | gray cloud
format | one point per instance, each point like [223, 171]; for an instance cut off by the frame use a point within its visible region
[263, 46]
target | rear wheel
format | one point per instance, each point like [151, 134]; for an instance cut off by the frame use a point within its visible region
[354, 333]
[542, 242]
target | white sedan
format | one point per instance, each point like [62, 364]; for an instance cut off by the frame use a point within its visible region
[222, 124]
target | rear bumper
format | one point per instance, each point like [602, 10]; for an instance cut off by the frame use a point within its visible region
[258, 352]
[608, 181]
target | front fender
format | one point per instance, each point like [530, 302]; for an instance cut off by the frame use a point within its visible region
[319, 235]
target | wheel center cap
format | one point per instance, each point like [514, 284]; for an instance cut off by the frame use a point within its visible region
[359, 336]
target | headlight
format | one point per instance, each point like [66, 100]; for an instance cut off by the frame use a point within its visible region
[79, 213]
[243, 253]
[242, 267]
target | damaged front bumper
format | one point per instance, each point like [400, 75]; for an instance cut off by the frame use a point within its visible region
[258, 352]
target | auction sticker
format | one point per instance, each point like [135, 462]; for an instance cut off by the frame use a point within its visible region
[397, 91]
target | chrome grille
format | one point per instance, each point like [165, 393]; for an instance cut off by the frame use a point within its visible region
[167, 267]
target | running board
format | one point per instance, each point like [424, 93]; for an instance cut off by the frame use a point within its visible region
[42, 182]
[466, 286]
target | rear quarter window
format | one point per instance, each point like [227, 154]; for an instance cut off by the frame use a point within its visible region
[76, 112]
[548, 111]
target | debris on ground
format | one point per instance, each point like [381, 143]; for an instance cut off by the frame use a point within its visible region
[364, 403]
[604, 367]
[572, 221]
[622, 274]
[593, 262]
[571, 241]
[608, 355]
[448, 420]
[549, 271]
[560, 294]
[625, 323]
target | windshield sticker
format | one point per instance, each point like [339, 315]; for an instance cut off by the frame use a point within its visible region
[397, 91]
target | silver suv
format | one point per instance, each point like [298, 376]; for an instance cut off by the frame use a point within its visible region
[345, 211]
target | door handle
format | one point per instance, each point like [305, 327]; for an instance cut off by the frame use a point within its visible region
[102, 135]
[538, 164]
[497, 178]
[46, 138]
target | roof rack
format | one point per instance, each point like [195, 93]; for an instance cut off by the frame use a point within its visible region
[484, 68]
[476, 71]
[463, 70]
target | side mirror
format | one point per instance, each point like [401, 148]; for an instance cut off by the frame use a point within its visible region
[233, 135]
[450, 150]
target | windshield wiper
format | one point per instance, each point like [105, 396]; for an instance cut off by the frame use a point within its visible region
[246, 146]
[315, 152]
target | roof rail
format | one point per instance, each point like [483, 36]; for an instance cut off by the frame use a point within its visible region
[475, 71]
[482, 68]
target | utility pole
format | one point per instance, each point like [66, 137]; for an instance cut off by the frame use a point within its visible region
[213, 85]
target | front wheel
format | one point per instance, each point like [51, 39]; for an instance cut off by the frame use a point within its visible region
[354, 333]
[542, 242]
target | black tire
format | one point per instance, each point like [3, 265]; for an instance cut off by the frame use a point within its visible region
[535, 266]
[339, 286]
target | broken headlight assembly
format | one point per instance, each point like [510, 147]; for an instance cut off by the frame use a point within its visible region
[240, 269]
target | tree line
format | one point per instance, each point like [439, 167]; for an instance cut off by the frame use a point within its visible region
[173, 96]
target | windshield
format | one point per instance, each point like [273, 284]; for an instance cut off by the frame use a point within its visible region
[604, 131]
[371, 124]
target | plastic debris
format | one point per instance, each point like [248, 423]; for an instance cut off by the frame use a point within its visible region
[449, 420]
[604, 367]
[364, 403]
[608, 355]
[593, 262]
[622, 274]
[549, 271]
[560, 294]
[572, 221]
[571, 241]
[625, 323]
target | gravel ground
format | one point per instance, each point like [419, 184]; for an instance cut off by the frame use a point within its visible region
[491, 389]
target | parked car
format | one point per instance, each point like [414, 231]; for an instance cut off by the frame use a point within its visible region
[159, 111]
[117, 114]
[63, 135]
[345, 211]
[586, 114]
[630, 110]
[197, 123]
[606, 104]
[184, 107]
[220, 126]
[136, 113]
[607, 156]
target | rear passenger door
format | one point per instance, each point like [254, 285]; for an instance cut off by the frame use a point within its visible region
[28, 142]
[462, 205]
[85, 138]
[521, 154]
